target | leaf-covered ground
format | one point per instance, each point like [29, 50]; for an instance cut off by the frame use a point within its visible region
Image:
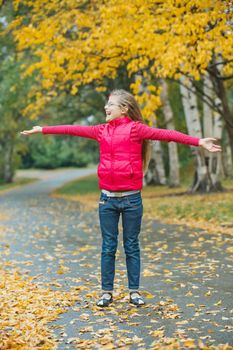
[26, 309]
[50, 256]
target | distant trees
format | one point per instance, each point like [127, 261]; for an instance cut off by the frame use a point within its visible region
[13, 99]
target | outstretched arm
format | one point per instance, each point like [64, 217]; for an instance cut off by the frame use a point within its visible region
[73, 130]
[146, 132]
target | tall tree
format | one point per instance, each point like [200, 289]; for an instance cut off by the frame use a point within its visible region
[81, 42]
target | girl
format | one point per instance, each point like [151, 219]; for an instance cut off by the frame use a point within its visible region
[124, 155]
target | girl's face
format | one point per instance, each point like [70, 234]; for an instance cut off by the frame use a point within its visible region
[113, 109]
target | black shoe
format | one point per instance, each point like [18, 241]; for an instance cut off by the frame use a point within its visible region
[105, 300]
[136, 299]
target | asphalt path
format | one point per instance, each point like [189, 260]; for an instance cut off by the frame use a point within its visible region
[186, 273]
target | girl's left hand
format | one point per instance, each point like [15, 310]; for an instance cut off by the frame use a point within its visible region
[209, 145]
[35, 130]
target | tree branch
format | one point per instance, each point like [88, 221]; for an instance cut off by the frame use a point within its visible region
[227, 77]
[219, 63]
[208, 100]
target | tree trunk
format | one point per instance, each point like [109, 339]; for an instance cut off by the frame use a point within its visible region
[226, 112]
[212, 123]
[155, 174]
[207, 168]
[7, 166]
[194, 129]
[190, 109]
[226, 159]
[174, 173]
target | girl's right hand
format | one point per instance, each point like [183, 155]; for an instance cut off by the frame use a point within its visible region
[34, 130]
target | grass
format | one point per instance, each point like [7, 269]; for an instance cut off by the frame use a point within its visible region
[85, 185]
[211, 212]
[16, 183]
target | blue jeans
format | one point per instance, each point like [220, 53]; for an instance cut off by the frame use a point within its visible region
[131, 209]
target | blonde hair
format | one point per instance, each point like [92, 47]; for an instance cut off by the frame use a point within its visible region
[126, 99]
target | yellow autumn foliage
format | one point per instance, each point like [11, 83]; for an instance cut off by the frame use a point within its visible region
[79, 42]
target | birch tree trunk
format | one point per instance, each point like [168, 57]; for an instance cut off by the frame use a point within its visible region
[194, 129]
[174, 171]
[212, 127]
[155, 174]
[207, 169]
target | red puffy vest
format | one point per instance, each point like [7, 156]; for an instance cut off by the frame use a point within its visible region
[120, 165]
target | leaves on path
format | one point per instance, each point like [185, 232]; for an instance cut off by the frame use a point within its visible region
[181, 270]
[26, 309]
[4, 216]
